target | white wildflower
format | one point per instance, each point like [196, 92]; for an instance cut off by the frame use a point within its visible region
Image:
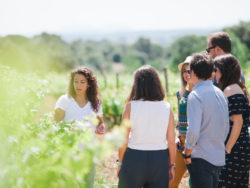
[44, 82]
[76, 158]
[95, 160]
[42, 136]
[35, 150]
[33, 110]
[20, 182]
[39, 94]
[81, 126]
[115, 137]
[66, 129]
[12, 139]
[79, 179]
[55, 128]
[80, 146]
[50, 115]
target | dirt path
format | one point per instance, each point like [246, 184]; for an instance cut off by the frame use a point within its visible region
[107, 172]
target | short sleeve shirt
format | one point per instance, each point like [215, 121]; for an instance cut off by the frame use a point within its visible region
[73, 111]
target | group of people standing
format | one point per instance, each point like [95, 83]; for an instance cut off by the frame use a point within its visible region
[213, 119]
[224, 157]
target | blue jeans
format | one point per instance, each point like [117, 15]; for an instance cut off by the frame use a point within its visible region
[203, 174]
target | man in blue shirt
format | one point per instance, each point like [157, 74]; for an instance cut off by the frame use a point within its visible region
[208, 125]
[220, 44]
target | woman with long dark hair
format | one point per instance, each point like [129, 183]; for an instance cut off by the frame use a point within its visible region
[236, 171]
[82, 99]
[147, 159]
[81, 103]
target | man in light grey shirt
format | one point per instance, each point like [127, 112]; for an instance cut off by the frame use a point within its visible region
[208, 125]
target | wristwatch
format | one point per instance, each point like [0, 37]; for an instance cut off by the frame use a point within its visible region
[118, 163]
[186, 156]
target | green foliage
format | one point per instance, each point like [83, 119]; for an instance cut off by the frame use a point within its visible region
[240, 35]
[43, 52]
[242, 31]
[156, 52]
[36, 152]
[151, 51]
[46, 52]
[159, 64]
[239, 49]
[112, 106]
[42, 153]
[19, 103]
[183, 47]
[96, 55]
[117, 58]
[143, 45]
[131, 62]
[247, 77]
[56, 51]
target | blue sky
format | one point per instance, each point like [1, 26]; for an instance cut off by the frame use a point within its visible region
[30, 17]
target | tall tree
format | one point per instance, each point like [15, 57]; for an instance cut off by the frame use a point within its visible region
[242, 31]
[183, 47]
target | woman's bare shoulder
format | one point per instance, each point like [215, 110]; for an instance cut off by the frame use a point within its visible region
[232, 90]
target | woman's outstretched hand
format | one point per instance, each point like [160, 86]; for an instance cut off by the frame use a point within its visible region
[100, 129]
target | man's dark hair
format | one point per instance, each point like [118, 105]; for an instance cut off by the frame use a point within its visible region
[202, 65]
[221, 39]
[147, 85]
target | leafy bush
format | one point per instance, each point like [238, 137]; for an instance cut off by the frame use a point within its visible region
[42, 153]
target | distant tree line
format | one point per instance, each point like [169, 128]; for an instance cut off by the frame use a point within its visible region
[186, 45]
[48, 52]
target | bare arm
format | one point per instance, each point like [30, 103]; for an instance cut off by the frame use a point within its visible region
[125, 117]
[100, 127]
[236, 118]
[59, 115]
[177, 125]
[171, 138]
[171, 144]
[235, 133]
[124, 147]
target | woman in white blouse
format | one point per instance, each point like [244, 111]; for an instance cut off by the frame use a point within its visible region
[147, 159]
[82, 100]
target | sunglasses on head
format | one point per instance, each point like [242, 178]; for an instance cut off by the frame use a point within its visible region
[208, 49]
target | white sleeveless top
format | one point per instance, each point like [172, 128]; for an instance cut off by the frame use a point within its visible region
[149, 124]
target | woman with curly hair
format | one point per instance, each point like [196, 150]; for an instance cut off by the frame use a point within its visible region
[81, 103]
[82, 99]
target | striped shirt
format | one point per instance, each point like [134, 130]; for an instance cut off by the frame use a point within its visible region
[182, 117]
